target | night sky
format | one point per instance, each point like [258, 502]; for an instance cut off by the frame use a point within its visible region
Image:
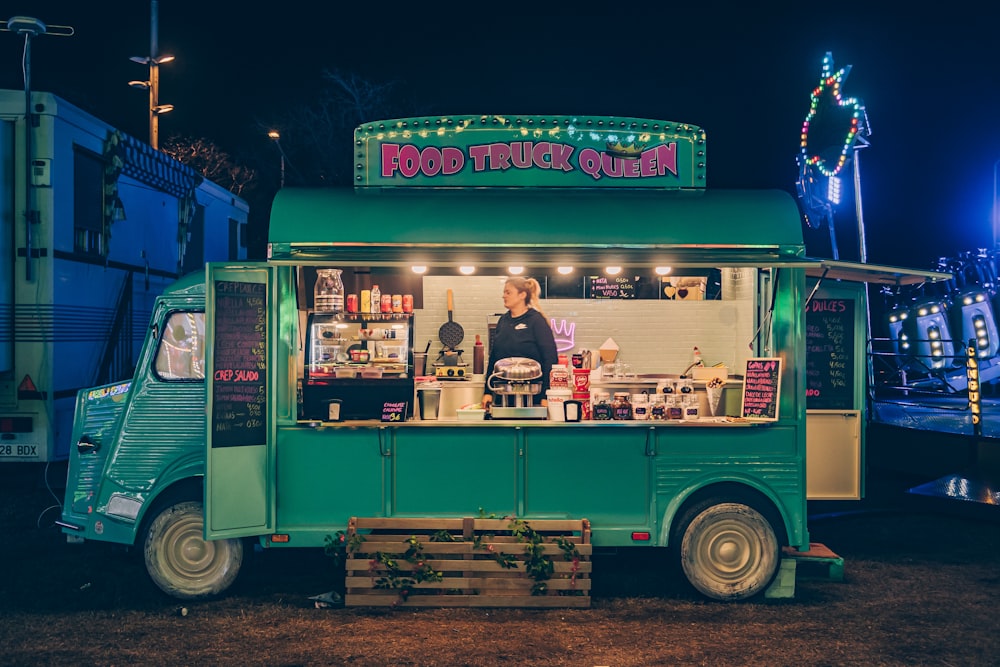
[930, 83]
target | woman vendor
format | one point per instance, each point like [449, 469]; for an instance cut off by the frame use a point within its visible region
[523, 331]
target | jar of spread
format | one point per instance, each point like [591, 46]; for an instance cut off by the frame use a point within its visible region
[559, 377]
[621, 406]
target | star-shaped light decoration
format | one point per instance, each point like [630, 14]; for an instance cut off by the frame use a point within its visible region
[834, 122]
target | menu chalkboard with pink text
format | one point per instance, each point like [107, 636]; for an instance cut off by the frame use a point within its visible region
[239, 383]
[762, 388]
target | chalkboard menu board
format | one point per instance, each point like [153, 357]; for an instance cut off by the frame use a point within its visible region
[830, 354]
[613, 287]
[762, 388]
[239, 389]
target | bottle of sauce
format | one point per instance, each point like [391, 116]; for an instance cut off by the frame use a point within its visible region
[478, 356]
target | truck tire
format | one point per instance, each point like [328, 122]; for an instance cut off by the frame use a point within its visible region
[181, 562]
[728, 550]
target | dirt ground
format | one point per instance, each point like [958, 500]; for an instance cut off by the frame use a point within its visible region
[921, 586]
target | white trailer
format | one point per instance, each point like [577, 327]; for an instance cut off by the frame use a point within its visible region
[93, 225]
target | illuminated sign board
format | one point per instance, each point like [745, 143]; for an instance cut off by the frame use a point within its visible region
[529, 151]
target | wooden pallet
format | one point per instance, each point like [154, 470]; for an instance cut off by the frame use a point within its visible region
[471, 575]
[818, 556]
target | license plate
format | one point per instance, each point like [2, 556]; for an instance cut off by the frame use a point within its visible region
[19, 451]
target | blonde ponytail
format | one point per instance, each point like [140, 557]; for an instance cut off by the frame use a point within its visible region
[529, 286]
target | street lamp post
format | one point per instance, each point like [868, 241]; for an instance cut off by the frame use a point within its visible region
[153, 83]
[30, 27]
[276, 137]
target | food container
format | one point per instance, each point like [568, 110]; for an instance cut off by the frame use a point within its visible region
[470, 414]
[640, 406]
[621, 406]
[689, 408]
[388, 351]
[429, 398]
[581, 379]
[706, 373]
[559, 377]
[555, 399]
[601, 410]
[345, 372]
[608, 351]
[583, 397]
[373, 373]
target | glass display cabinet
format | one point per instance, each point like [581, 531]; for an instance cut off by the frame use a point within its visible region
[356, 364]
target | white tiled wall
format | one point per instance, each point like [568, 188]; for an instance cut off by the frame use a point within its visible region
[653, 336]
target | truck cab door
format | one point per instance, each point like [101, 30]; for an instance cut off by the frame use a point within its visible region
[240, 343]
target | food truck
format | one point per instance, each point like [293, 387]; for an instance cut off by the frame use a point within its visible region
[274, 401]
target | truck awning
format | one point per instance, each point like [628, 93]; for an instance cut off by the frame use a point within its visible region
[830, 269]
[638, 228]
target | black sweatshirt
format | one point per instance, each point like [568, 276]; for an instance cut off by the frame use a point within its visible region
[526, 336]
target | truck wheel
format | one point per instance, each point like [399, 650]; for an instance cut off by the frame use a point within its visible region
[728, 550]
[181, 561]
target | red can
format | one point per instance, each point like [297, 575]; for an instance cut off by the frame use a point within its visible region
[581, 380]
[386, 303]
[586, 413]
[407, 303]
[352, 303]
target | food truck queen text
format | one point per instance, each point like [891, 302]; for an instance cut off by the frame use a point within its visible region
[409, 160]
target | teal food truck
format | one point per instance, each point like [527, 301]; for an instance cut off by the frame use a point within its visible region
[274, 401]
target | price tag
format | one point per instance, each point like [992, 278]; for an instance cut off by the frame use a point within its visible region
[394, 411]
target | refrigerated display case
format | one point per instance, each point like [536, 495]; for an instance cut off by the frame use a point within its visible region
[360, 361]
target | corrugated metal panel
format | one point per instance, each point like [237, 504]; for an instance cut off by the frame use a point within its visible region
[165, 419]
